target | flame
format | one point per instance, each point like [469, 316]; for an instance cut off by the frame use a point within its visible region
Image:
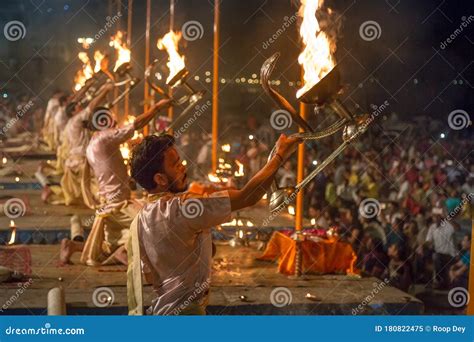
[313, 221]
[84, 73]
[123, 53]
[125, 151]
[240, 172]
[79, 80]
[169, 42]
[351, 269]
[13, 233]
[225, 148]
[86, 67]
[316, 57]
[98, 57]
[213, 178]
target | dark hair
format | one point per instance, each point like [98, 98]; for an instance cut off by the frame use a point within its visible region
[70, 108]
[63, 99]
[148, 159]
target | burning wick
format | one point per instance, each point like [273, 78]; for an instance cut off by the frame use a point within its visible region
[4, 160]
[13, 233]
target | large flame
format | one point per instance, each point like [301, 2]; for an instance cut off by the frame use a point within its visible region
[84, 73]
[123, 52]
[79, 80]
[316, 57]
[86, 66]
[98, 57]
[169, 42]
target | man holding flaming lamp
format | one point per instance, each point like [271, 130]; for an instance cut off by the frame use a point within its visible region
[171, 235]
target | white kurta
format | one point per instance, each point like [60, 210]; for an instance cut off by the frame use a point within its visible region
[78, 138]
[103, 154]
[176, 246]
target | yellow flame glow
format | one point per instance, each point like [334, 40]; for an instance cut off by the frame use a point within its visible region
[98, 57]
[123, 52]
[169, 42]
[316, 57]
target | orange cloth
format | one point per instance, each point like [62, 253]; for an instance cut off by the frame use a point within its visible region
[326, 256]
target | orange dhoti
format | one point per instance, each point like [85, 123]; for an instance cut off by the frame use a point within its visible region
[325, 256]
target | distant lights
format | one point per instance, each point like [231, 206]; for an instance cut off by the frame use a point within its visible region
[251, 137]
[254, 75]
[442, 135]
[208, 80]
[208, 73]
[196, 78]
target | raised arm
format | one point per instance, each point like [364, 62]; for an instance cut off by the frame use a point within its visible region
[143, 119]
[101, 96]
[253, 191]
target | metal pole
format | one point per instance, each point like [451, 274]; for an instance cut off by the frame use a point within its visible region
[129, 44]
[170, 90]
[147, 60]
[215, 85]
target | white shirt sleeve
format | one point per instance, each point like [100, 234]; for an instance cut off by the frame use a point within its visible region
[197, 213]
